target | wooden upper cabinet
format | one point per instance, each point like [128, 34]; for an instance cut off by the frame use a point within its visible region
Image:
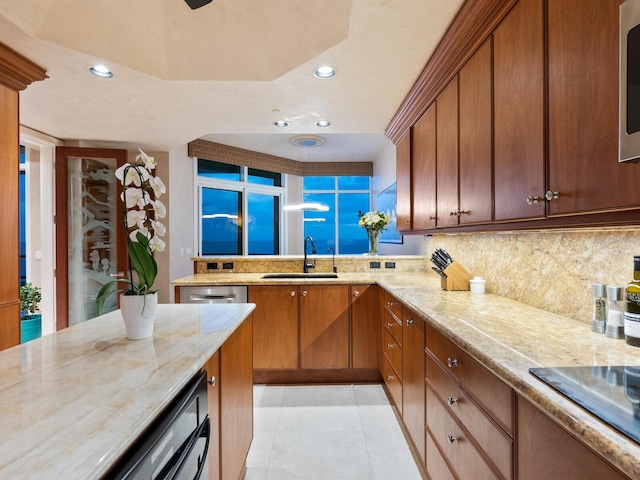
[476, 155]
[447, 155]
[324, 326]
[403, 183]
[583, 110]
[423, 180]
[275, 326]
[518, 95]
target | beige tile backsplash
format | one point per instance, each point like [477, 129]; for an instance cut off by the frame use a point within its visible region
[551, 270]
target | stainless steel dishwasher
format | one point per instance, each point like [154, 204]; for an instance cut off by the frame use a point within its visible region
[214, 294]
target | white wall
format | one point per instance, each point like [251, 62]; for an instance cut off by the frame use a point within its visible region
[384, 174]
[182, 223]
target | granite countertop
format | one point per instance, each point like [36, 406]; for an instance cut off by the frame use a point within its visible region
[506, 336]
[72, 402]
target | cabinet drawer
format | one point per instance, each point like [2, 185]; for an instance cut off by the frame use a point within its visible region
[437, 467]
[393, 352]
[393, 326]
[492, 394]
[393, 304]
[456, 447]
[394, 384]
[495, 444]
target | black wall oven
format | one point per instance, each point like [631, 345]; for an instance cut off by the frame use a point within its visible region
[176, 445]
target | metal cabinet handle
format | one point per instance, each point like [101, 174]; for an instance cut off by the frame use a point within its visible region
[433, 218]
[389, 304]
[452, 401]
[304, 293]
[452, 362]
[389, 346]
[389, 325]
[356, 294]
[452, 439]
[531, 200]
[409, 322]
[389, 377]
[212, 381]
[293, 293]
[551, 195]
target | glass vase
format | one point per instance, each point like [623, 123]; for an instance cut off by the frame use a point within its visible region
[373, 241]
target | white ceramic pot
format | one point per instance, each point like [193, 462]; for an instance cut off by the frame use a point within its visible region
[139, 314]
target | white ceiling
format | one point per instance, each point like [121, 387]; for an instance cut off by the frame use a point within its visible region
[224, 72]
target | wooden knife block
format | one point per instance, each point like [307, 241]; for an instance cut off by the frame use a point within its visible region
[457, 278]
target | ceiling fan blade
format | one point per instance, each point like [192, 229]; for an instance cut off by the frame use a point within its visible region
[197, 3]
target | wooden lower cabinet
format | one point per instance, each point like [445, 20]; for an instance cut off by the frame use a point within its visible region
[545, 450]
[364, 321]
[236, 401]
[413, 371]
[212, 368]
[324, 326]
[275, 326]
[230, 404]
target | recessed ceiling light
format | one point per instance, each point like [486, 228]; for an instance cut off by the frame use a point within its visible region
[101, 71]
[323, 123]
[281, 123]
[325, 72]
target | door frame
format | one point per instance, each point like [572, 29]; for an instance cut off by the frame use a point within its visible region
[62, 222]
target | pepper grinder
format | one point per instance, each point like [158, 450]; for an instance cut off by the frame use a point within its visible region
[599, 308]
[615, 312]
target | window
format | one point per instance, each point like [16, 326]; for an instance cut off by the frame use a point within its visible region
[239, 209]
[338, 227]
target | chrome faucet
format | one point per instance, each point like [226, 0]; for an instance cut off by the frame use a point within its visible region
[307, 266]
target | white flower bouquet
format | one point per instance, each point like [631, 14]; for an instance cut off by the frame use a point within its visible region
[374, 220]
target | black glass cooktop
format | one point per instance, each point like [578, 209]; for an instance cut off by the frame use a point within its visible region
[610, 393]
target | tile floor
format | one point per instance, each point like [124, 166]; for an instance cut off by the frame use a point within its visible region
[327, 432]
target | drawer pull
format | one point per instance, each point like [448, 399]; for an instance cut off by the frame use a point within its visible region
[212, 381]
[389, 304]
[304, 293]
[293, 293]
[452, 439]
[389, 325]
[356, 294]
[452, 362]
[409, 322]
[452, 401]
[389, 346]
[389, 377]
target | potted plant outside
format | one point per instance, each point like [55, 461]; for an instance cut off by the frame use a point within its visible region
[30, 321]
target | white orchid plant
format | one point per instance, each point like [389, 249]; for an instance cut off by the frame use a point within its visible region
[142, 210]
[374, 220]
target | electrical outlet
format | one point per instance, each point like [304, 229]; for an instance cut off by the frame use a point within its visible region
[212, 265]
[389, 264]
[374, 264]
[227, 266]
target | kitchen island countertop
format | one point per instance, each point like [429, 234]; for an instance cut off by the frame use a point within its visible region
[71, 403]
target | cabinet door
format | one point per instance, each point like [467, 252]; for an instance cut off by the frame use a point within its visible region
[236, 401]
[447, 155]
[364, 323]
[546, 451]
[583, 110]
[518, 96]
[324, 326]
[213, 402]
[423, 160]
[275, 326]
[476, 158]
[413, 373]
[403, 183]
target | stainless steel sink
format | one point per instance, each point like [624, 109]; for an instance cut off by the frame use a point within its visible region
[300, 275]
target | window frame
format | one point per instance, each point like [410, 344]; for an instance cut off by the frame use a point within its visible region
[336, 193]
[245, 188]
